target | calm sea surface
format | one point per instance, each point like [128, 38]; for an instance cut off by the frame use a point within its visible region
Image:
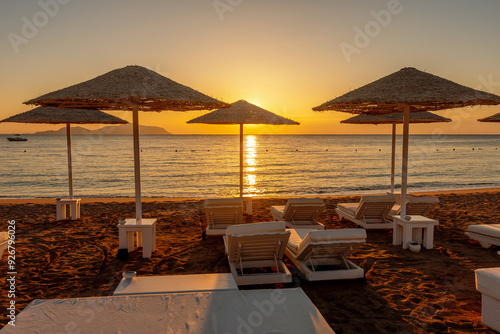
[275, 165]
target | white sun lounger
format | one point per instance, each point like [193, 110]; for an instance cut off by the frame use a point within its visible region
[221, 213]
[254, 246]
[488, 283]
[416, 206]
[300, 213]
[251, 311]
[4, 242]
[309, 249]
[486, 234]
[371, 212]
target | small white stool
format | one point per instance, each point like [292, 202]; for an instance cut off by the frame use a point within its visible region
[74, 204]
[488, 283]
[145, 237]
[418, 228]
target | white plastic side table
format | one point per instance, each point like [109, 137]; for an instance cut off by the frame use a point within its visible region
[74, 204]
[146, 235]
[418, 228]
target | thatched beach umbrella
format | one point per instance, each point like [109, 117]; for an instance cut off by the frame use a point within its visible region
[408, 90]
[242, 112]
[395, 118]
[131, 88]
[65, 116]
[492, 118]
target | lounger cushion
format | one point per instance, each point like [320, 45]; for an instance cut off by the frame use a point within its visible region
[349, 208]
[352, 207]
[296, 237]
[300, 238]
[395, 210]
[430, 200]
[378, 198]
[491, 230]
[416, 205]
[335, 235]
[278, 210]
[488, 282]
[295, 201]
[224, 202]
[318, 237]
[256, 228]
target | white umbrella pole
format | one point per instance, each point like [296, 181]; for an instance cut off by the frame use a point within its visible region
[404, 173]
[70, 164]
[137, 165]
[241, 160]
[393, 157]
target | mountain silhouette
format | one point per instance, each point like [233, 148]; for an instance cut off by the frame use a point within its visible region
[123, 129]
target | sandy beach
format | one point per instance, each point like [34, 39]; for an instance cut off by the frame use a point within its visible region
[428, 292]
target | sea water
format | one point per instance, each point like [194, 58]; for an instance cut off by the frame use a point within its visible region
[274, 165]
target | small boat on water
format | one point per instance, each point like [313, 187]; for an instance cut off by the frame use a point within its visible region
[17, 138]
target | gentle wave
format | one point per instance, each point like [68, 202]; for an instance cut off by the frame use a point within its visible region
[275, 165]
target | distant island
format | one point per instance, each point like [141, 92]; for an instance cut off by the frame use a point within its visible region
[123, 129]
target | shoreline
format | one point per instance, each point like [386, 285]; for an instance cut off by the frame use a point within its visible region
[40, 133]
[8, 201]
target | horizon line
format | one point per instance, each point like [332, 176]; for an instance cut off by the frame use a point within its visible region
[255, 134]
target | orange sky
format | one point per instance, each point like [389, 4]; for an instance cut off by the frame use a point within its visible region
[284, 56]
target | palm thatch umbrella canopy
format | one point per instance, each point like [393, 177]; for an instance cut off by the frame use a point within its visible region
[130, 88]
[50, 115]
[492, 118]
[418, 90]
[242, 112]
[395, 118]
[408, 90]
[67, 116]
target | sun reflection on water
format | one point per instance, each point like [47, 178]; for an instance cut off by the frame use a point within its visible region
[251, 165]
